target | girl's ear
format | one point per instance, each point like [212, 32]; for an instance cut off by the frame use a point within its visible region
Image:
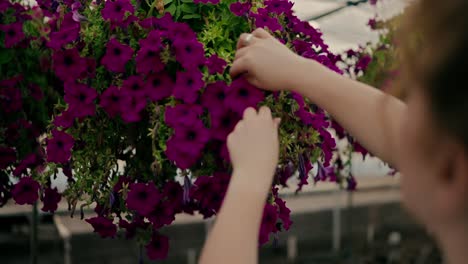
[452, 190]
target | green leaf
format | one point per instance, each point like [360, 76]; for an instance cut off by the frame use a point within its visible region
[187, 1]
[5, 56]
[172, 9]
[191, 16]
[166, 2]
[177, 13]
[188, 8]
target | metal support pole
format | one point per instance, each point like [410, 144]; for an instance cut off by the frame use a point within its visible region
[336, 215]
[292, 248]
[33, 233]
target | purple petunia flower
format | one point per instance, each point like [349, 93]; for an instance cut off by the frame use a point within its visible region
[59, 147]
[68, 65]
[30, 161]
[111, 100]
[352, 184]
[163, 214]
[103, 226]
[162, 23]
[158, 247]
[242, 95]
[223, 124]
[363, 63]
[185, 146]
[279, 6]
[240, 9]
[209, 192]
[328, 146]
[284, 213]
[180, 31]
[187, 86]
[214, 97]
[183, 115]
[51, 199]
[64, 120]
[285, 173]
[7, 157]
[359, 148]
[159, 86]
[148, 57]
[372, 23]
[134, 86]
[13, 33]
[215, 64]
[191, 139]
[69, 32]
[131, 108]
[80, 99]
[35, 91]
[25, 191]
[182, 159]
[142, 198]
[77, 17]
[117, 55]
[189, 53]
[116, 12]
[10, 98]
[269, 219]
[263, 20]
[174, 193]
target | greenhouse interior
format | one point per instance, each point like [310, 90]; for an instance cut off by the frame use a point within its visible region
[126, 124]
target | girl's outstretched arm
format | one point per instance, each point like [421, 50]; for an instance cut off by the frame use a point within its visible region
[370, 115]
[253, 148]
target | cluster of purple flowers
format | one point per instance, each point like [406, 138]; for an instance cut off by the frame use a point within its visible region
[276, 217]
[146, 66]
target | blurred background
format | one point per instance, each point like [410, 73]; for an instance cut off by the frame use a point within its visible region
[330, 225]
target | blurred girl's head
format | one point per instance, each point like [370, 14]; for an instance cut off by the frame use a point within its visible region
[434, 146]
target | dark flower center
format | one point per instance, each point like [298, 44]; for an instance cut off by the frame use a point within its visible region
[142, 195]
[68, 61]
[188, 49]
[221, 95]
[191, 135]
[26, 188]
[151, 53]
[243, 92]
[156, 244]
[82, 97]
[11, 33]
[226, 121]
[115, 98]
[118, 8]
[117, 51]
[156, 82]
[190, 82]
[135, 87]
[60, 143]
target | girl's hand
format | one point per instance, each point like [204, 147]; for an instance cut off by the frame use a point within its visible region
[254, 149]
[266, 62]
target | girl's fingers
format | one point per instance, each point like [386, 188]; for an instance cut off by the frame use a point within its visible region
[277, 122]
[245, 40]
[265, 112]
[238, 67]
[261, 33]
[249, 113]
[241, 53]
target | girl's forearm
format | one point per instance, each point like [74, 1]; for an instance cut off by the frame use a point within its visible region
[234, 236]
[370, 115]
